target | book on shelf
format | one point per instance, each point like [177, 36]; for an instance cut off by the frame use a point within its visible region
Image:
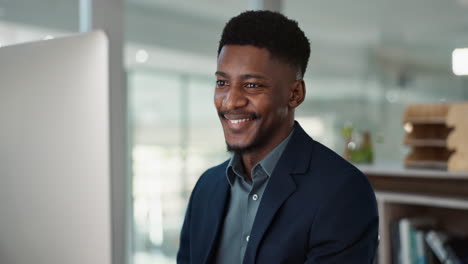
[449, 248]
[410, 241]
[422, 251]
[407, 241]
[416, 241]
[395, 242]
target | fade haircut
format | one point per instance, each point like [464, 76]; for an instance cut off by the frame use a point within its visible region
[280, 35]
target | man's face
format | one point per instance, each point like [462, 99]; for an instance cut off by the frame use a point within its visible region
[252, 97]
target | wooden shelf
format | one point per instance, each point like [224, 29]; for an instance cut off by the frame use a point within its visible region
[403, 193]
[436, 135]
[431, 142]
[423, 200]
[427, 121]
[395, 170]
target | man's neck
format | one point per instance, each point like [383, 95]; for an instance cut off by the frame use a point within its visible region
[249, 160]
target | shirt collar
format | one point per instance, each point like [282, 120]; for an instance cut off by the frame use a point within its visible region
[268, 163]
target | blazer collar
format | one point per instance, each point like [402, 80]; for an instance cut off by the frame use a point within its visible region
[299, 151]
[295, 160]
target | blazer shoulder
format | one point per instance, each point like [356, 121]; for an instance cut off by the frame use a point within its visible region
[321, 150]
[324, 158]
[333, 173]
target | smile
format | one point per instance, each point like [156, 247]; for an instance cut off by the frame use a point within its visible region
[237, 121]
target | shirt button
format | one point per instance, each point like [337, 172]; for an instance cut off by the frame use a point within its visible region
[247, 238]
[255, 197]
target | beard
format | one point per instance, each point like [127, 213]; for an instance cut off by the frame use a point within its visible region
[259, 140]
[239, 150]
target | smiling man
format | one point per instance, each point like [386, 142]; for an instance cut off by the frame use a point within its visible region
[282, 197]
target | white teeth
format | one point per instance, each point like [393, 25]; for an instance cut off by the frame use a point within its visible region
[237, 121]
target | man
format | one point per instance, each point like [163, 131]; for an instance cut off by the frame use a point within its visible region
[282, 197]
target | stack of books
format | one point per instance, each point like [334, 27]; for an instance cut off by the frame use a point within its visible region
[417, 241]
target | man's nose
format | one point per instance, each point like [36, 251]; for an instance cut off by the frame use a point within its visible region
[235, 98]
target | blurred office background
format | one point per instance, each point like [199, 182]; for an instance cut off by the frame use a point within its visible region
[369, 60]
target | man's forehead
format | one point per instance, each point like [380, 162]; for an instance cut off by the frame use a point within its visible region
[248, 59]
[244, 52]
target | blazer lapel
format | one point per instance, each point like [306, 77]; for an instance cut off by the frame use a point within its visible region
[214, 216]
[294, 160]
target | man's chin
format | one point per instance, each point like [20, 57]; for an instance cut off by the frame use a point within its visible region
[245, 144]
[236, 149]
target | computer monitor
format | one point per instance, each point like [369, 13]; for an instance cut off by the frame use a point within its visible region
[54, 152]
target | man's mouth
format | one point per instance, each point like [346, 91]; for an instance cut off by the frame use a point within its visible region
[237, 121]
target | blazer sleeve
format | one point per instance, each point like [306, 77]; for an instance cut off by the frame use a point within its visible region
[345, 230]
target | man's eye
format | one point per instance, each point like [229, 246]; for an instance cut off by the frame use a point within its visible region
[221, 83]
[252, 85]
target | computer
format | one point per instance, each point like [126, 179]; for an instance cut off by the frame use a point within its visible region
[54, 152]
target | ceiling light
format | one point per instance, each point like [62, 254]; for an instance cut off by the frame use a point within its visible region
[48, 37]
[460, 61]
[141, 56]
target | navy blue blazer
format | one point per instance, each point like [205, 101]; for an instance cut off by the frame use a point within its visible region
[316, 208]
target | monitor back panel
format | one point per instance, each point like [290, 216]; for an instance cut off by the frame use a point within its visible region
[54, 152]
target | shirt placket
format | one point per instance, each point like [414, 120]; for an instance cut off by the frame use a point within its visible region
[245, 225]
[252, 198]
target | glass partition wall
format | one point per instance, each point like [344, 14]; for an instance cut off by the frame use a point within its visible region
[176, 136]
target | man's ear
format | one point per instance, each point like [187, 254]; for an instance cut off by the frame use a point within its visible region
[297, 93]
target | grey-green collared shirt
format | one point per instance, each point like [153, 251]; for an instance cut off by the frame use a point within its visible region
[243, 204]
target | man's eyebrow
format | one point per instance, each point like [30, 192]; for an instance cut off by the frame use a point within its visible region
[222, 74]
[253, 76]
[243, 76]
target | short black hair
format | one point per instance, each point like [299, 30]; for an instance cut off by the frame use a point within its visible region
[273, 31]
